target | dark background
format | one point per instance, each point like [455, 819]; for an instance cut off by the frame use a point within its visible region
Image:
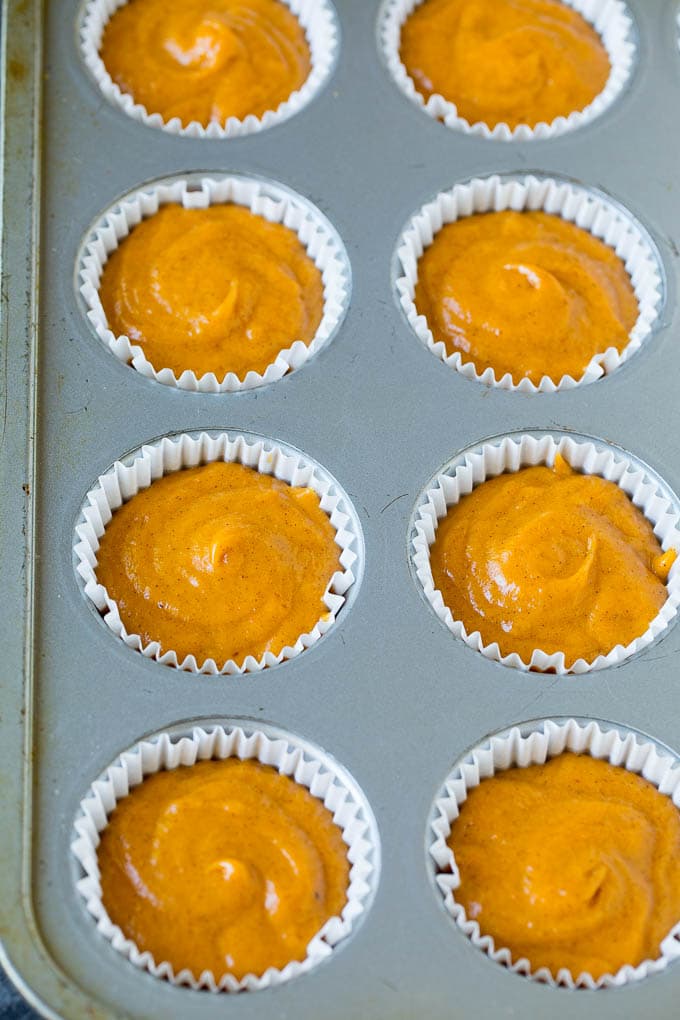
[12, 1006]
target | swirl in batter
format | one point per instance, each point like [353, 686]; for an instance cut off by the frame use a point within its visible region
[206, 60]
[526, 293]
[505, 61]
[226, 866]
[570, 864]
[219, 562]
[551, 559]
[212, 290]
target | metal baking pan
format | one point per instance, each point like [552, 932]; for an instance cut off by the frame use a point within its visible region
[389, 692]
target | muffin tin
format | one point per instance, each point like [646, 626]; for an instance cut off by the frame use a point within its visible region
[389, 693]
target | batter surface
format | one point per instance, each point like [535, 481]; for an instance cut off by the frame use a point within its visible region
[526, 293]
[570, 864]
[505, 61]
[551, 559]
[220, 562]
[212, 290]
[206, 60]
[224, 866]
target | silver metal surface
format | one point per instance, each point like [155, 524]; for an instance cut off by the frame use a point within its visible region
[389, 692]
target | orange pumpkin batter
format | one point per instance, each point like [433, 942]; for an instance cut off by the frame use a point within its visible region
[212, 290]
[206, 60]
[575, 863]
[226, 866]
[220, 562]
[526, 293]
[505, 61]
[550, 559]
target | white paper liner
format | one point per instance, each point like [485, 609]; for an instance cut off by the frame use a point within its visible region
[319, 22]
[610, 18]
[124, 480]
[274, 203]
[319, 774]
[587, 209]
[547, 739]
[510, 454]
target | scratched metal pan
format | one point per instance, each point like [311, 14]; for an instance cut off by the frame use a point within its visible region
[389, 692]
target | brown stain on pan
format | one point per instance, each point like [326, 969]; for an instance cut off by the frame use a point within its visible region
[16, 70]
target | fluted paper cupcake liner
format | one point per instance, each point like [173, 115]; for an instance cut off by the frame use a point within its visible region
[274, 203]
[125, 479]
[319, 22]
[297, 759]
[586, 208]
[510, 454]
[534, 744]
[610, 18]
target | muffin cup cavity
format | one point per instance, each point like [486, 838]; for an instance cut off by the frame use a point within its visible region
[319, 21]
[533, 744]
[126, 478]
[267, 199]
[610, 18]
[587, 209]
[299, 760]
[509, 454]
